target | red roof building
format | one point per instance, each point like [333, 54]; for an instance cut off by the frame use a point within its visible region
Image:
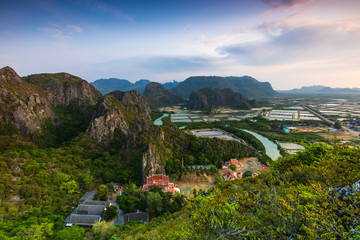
[159, 180]
[235, 162]
[265, 167]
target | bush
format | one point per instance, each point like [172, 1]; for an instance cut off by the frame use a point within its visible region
[232, 167]
[110, 213]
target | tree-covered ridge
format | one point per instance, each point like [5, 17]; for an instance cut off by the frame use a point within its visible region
[206, 98]
[298, 199]
[247, 85]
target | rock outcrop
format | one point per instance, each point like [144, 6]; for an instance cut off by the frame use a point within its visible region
[115, 112]
[347, 191]
[21, 105]
[61, 89]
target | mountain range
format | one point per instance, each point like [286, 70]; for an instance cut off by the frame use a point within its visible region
[320, 89]
[111, 84]
[248, 86]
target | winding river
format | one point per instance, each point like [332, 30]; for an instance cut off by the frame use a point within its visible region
[271, 148]
[158, 120]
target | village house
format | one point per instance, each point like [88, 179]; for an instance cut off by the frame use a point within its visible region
[162, 181]
[235, 162]
[137, 216]
[87, 212]
[230, 175]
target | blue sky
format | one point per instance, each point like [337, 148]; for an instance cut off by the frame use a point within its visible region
[289, 43]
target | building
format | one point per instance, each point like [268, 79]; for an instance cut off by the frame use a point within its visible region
[138, 216]
[162, 181]
[265, 167]
[235, 162]
[230, 175]
[87, 212]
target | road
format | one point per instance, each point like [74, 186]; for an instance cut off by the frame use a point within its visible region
[319, 115]
[327, 120]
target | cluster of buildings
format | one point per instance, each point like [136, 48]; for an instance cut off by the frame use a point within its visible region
[87, 212]
[229, 174]
[161, 181]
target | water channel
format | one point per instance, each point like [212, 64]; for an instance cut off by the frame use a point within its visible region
[158, 120]
[271, 148]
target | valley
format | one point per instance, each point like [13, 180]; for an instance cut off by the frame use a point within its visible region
[60, 138]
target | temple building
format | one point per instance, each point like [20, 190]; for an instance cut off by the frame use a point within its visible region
[162, 181]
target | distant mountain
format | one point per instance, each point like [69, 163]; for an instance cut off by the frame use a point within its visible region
[171, 85]
[322, 89]
[208, 98]
[112, 84]
[142, 82]
[157, 95]
[246, 85]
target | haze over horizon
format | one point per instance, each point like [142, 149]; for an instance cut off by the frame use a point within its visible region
[289, 43]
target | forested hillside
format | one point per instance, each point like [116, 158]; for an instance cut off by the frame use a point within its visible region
[47, 161]
[302, 197]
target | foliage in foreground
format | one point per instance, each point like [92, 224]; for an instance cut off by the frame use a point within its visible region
[296, 200]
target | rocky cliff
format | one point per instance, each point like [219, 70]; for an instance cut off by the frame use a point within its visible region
[50, 108]
[61, 89]
[115, 112]
[22, 107]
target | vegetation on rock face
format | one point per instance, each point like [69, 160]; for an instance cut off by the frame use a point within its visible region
[248, 86]
[157, 95]
[206, 98]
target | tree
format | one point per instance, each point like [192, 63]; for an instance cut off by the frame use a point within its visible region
[213, 169]
[195, 145]
[232, 167]
[87, 180]
[154, 202]
[102, 192]
[247, 173]
[110, 213]
[70, 187]
[130, 189]
[169, 166]
[337, 124]
[72, 233]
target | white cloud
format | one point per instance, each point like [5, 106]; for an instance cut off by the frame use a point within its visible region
[74, 28]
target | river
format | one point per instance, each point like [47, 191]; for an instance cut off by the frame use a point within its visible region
[158, 120]
[271, 148]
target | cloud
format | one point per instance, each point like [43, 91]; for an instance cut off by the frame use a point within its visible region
[108, 9]
[176, 63]
[60, 31]
[74, 28]
[289, 42]
[55, 33]
[286, 3]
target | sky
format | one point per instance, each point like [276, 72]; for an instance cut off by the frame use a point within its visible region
[289, 43]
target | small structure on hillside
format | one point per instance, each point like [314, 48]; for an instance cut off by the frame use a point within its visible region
[162, 181]
[235, 162]
[265, 167]
[230, 175]
[87, 212]
[138, 216]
